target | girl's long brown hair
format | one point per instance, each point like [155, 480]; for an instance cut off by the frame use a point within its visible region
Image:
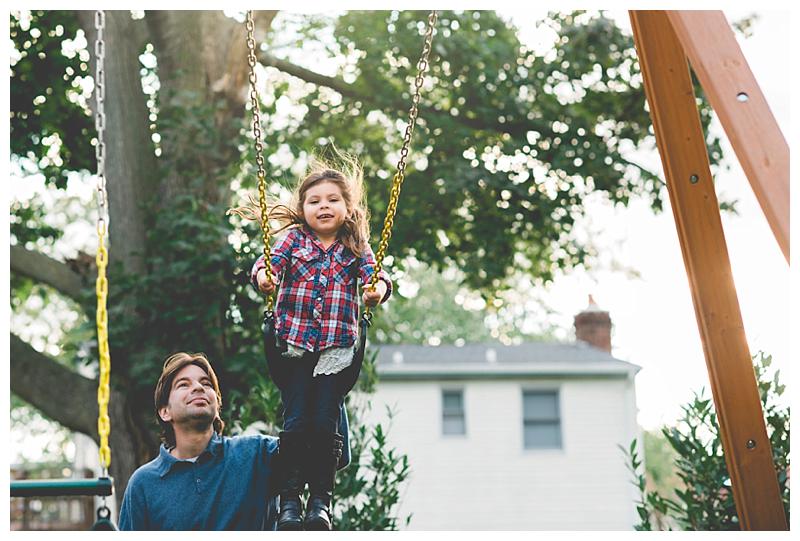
[347, 174]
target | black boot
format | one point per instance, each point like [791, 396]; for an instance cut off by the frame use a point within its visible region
[323, 458]
[291, 450]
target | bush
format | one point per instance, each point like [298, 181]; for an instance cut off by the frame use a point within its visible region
[707, 502]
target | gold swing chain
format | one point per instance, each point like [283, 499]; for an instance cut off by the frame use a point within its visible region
[262, 183]
[101, 285]
[399, 176]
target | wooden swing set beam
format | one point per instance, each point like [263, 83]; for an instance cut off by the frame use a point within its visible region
[663, 41]
[733, 92]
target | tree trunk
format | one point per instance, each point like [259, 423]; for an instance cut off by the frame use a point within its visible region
[131, 441]
[130, 160]
[202, 66]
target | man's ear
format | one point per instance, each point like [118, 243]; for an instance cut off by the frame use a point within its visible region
[165, 414]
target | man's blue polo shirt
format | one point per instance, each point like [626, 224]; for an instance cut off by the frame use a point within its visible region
[231, 486]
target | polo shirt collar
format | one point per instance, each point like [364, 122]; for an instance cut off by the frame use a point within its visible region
[166, 461]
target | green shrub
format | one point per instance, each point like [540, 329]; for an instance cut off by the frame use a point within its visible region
[706, 501]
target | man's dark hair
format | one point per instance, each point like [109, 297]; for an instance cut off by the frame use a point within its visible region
[174, 364]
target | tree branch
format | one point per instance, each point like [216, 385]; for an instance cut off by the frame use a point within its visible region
[641, 168]
[514, 128]
[312, 77]
[46, 270]
[262, 19]
[61, 394]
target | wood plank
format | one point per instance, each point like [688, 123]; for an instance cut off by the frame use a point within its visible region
[722, 69]
[694, 203]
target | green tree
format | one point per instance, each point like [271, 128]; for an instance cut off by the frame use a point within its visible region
[704, 500]
[509, 142]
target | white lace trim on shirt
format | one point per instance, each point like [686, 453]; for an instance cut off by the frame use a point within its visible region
[333, 361]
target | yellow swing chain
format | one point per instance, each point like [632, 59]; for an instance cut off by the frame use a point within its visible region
[101, 285]
[399, 176]
[262, 183]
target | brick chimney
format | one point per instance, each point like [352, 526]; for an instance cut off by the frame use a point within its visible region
[593, 326]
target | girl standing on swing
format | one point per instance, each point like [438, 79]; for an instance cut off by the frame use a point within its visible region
[316, 266]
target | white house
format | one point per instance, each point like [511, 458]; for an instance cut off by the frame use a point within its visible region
[513, 437]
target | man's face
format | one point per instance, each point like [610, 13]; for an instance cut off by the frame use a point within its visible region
[192, 400]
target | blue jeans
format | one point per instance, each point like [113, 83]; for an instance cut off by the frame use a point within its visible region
[310, 403]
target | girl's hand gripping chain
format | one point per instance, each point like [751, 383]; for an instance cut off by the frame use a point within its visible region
[373, 296]
[265, 285]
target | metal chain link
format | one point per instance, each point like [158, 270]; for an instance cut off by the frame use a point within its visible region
[101, 285]
[262, 183]
[399, 176]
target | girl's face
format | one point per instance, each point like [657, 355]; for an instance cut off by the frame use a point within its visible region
[324, 208]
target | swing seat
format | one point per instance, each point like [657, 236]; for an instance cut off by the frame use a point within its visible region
[41, 488]
[32, 488]
[274, 348]
[103, 522]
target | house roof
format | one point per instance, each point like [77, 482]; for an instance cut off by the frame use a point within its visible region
[494, 360]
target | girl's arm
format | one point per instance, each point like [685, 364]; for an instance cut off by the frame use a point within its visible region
[368, 267]
[279, 258]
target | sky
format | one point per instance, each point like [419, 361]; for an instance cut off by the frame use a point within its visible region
[653, 316]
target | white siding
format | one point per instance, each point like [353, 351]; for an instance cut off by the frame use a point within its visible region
[485, 480]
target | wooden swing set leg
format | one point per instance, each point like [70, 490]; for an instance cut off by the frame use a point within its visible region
[733, 92]
[681, 143]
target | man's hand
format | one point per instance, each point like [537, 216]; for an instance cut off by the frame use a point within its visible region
[265, 285]
[373, 296]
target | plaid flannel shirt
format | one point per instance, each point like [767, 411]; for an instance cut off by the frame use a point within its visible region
[317, 304]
